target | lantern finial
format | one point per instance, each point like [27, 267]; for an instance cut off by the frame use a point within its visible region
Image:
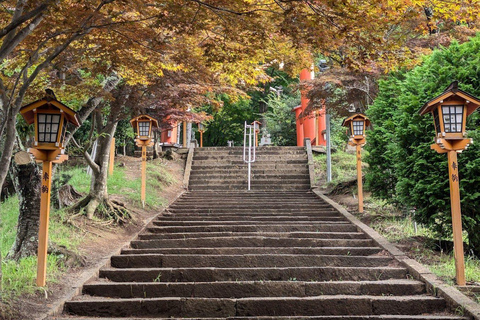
[50, 95]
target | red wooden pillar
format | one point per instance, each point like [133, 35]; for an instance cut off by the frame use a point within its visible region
[309, 120]
[298, 110]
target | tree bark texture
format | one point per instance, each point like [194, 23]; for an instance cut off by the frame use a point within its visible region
[27, 180]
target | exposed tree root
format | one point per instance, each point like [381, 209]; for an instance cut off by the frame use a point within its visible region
[109, 211]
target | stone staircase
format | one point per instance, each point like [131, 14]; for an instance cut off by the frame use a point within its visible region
[275, 168]
[279, 252]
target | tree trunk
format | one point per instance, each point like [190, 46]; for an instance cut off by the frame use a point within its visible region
[98, 187]
[9, 143]
[27, 180]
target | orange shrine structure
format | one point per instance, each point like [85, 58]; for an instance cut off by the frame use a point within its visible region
[312, 125]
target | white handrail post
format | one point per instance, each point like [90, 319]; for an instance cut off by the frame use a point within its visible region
[251, 157]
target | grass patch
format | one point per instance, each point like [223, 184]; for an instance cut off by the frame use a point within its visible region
[418, 241]
[344, 167]
[19, 278]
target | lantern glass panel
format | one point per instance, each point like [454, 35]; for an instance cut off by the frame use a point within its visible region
[201, 126]
[144, 128]
[48, 125]
[357, 128]
[453, 118]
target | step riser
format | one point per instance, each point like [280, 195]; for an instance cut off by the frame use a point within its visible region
[251, 289]
[248, 261]
[250, 306]
[247, 222]
[255, 228]
[229, 251]
[253, 274]
[315, 235]
[216, 219]
[250, 242]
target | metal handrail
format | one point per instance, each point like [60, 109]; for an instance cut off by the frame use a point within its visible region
[251, 147]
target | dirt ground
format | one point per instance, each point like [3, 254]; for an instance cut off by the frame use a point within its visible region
[105, 241]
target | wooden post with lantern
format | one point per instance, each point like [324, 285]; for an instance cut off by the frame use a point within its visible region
[356, 125]
[143, 129]
[50, 118]
[256, 126]
[450, 110]
[201, 129]
[111, 164]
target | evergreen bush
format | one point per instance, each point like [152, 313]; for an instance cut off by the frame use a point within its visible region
[403, 169]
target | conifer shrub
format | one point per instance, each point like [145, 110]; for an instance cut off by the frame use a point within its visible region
[402, 168]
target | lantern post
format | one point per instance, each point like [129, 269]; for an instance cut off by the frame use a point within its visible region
[142, 125]
[256, 127]
[50, 118]
[450, 110]
[112, 157]
[356, 125]
[201, 129]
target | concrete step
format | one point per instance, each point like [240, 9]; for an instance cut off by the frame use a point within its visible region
[244, 289]
[292, 234]
[217, 218]
[245, 261]
[273, 162]
[258, 306]
[257, 241]
[211, 274]
[356, 251]
[255, 166]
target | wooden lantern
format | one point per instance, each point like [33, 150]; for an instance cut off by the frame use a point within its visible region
[143, 125]
[450, 110]
[50, 118]
[143, 129]
[356, 126]
[256, 127]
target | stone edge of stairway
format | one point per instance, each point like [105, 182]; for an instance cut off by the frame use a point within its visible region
[93, 272]
[455, 299]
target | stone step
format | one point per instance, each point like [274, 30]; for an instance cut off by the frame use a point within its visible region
[291, 234]
[259, 177]
[258, 306]
[254, 228]
[230, 181]
[253, 274]
[217, 218]
[257, 241]
[356, 251]
[270, 206]
[259, 157]
[255, 166]
[441, 316]
[244, 289]
[245, 261]
[254, 187]
[187, 222]
[273, 162]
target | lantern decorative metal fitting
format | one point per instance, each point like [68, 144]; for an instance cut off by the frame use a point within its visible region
[201, 127]
[450, 111]
[143, 125]
[50, 118]
[356, 125]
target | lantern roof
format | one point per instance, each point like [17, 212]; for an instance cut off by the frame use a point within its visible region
[346, 122]
[144, 117]
[49, 102]
[256, 122]
[450, 93]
